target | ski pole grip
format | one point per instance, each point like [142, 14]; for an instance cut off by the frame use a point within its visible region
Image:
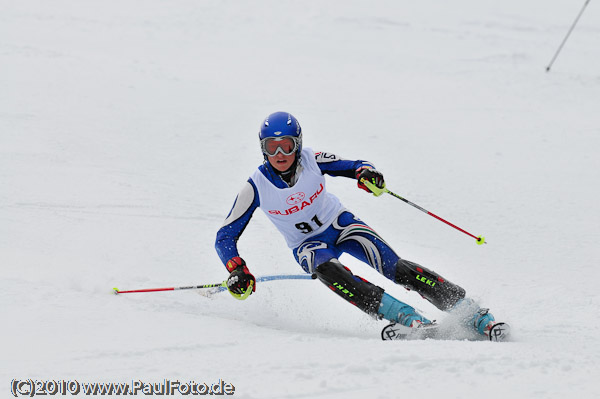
[374, 189]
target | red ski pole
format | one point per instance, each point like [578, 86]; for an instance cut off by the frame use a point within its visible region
[378, 191]
[221, 286]
[191, 287]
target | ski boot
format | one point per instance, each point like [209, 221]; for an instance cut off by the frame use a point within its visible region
[370, 298]
[396, 331]
[480, 319]
[406, 322]
[484, 323]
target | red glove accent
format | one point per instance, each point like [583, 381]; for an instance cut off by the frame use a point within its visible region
[233, 263]
[357, 173]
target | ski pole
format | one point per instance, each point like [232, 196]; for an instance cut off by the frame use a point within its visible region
[191, 287]
[378, 191]
[220, 286]
[567, 36]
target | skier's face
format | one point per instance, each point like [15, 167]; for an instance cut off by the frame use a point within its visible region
[281, 162]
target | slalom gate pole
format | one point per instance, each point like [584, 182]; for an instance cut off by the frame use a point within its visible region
[220, 286]
[378, 191]
[567, 36]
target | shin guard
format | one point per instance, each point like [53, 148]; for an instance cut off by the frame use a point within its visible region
[440, 292]
[357, 291]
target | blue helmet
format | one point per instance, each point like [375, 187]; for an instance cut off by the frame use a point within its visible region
[280, 124]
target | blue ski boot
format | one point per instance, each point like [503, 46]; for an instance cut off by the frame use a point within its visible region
[484, 323]
[399, 312]
[406, 322]
[481, 320]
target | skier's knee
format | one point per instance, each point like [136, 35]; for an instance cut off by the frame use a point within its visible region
[437, 290]
[359, 292]
[329, 269]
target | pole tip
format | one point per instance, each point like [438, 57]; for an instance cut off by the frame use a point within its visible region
[481, 240]
[115, 291]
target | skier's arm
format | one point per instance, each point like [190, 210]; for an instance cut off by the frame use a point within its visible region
[241, 282]
[244, 206]
[333, 165]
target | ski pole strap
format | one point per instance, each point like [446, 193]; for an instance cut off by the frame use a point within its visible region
[246, 294]
[374, 189]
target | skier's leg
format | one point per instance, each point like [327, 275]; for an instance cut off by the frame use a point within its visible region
[314, 252]
[368, 297]
[449, 297]
[437, 290]
[319, 255]
[361, 241]
[359, 292]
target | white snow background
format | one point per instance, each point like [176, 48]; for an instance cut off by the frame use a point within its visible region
[128, 127]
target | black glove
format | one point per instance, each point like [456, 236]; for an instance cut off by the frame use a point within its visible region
[240, 279]
[372, 176]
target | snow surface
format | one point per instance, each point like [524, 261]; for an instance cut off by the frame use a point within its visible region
[127, 128]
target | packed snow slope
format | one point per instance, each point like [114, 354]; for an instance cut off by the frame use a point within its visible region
[128, 127]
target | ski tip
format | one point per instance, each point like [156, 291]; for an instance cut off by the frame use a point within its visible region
[115, 291]
[394, 332]
[499, 332]
[481, 240]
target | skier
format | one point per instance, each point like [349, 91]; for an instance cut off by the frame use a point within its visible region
[290, 189]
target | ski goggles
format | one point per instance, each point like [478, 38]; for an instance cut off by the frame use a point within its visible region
[287, 145]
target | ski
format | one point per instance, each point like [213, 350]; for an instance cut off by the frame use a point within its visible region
[496, 332]
[395, 332]
[499, 332]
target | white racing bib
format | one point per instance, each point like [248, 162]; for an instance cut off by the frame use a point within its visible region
[301, 211]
